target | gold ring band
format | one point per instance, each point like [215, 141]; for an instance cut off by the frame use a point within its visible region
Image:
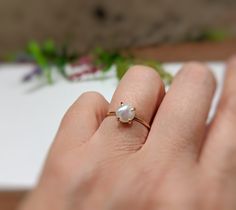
[112, 113]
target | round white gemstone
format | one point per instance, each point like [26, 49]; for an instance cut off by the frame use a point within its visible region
[125, 113]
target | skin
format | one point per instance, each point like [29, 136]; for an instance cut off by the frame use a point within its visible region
[181, 163]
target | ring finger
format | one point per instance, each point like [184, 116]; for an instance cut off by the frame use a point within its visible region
[141, 88]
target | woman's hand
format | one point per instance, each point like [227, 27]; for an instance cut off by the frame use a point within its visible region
[182, 163]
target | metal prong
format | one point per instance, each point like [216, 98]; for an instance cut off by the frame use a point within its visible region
[118, 119]
[130, 122]
[121, 103]
[133, 109]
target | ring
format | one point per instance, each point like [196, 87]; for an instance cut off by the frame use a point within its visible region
[126, 114]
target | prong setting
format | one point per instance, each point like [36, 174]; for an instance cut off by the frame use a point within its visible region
[125, 113]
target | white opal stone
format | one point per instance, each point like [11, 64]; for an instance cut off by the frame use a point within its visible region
[125, 113]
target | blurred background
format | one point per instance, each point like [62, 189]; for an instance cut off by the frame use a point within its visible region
[51, 51]
[113, 24]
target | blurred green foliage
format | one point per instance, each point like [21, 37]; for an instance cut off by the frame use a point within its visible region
[214, 35]
[47, 55]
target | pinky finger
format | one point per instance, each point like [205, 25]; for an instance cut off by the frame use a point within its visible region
[219, 150]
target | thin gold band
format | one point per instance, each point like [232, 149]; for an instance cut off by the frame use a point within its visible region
[135, 118]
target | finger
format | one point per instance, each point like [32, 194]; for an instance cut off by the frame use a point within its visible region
[66, 158]
[220, 148]
[180, 122]
[81, 121]
[142, 88]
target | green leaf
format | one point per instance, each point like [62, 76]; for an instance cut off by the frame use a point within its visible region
[215, 35]
[60, 63]
[106, 59]
[121, 67]
[48, 55]
[49, 47]
[36, 52]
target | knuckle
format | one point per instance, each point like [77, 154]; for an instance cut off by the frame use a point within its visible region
[196, 66]
[199, 72]
[91, 95]
[141, 68]
[147, 74]
[144, 71]
[87, 101]
[95, 99]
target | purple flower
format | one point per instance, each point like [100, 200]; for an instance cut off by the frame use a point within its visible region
[35, 72]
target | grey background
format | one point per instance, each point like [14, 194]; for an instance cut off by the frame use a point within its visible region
[111, 23]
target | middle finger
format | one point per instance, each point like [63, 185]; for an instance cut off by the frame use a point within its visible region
[179, 126]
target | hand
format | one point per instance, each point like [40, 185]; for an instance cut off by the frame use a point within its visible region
[182, 163]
